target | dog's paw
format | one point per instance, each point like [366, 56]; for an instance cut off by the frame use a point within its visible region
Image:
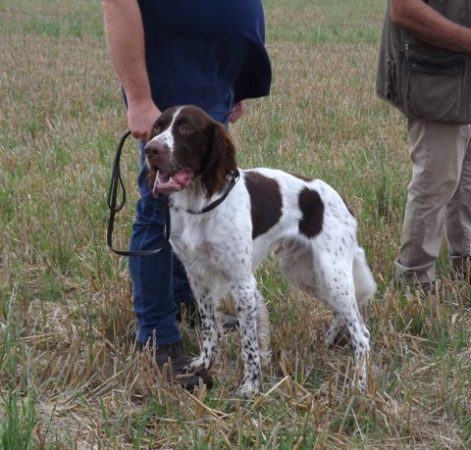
[197, 363]
[265, 358]
[341, 339]
[360, 377]
[247, 390]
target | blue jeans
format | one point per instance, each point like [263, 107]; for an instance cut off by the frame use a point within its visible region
[159, 282]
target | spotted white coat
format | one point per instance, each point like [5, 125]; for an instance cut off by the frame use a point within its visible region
[305, 222]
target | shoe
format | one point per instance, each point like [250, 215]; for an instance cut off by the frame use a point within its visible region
[430, 287]
[172, 361]
[411, 282]
[425, 288]
[462, 268]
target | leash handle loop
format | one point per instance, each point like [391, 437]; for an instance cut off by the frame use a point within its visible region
[116, 184]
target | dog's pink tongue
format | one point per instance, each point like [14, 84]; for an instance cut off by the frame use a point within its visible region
[176, 183]
[183, 178]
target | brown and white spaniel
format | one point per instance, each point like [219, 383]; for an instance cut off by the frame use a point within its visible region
[225, 220]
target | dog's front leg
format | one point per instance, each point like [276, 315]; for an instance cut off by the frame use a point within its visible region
[205, 299]
[244, 295]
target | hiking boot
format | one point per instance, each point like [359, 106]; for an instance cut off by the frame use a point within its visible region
[173, 362]
[429, 287]
[423, 288]
[402, 282]
[462, 268]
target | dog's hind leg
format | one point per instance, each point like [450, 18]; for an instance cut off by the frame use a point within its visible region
[296, 263]
[338, 289]
[337, 325]
[365, 288]
[263, 329]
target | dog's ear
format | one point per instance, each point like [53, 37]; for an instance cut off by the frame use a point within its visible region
[220, 160]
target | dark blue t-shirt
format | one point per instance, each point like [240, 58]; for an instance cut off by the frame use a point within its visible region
[205, 52]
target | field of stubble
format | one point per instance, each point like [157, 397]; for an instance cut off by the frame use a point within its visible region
[69, 375]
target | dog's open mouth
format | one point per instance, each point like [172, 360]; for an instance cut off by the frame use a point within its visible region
[166, 183]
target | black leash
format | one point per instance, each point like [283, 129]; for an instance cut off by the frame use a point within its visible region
[116, 183]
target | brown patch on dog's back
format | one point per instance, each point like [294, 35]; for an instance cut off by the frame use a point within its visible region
[311, 206]
[265, 202]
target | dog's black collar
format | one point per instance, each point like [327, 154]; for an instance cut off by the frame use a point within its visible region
[234, 177]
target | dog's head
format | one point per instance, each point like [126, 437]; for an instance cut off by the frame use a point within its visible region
[188, 146]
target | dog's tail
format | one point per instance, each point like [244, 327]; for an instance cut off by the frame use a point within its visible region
[365, 284]
[263, 330]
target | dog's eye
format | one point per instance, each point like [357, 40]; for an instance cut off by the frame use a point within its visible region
[184, 128]
[156, 129]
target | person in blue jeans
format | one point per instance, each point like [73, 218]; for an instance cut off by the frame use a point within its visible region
[211, 54]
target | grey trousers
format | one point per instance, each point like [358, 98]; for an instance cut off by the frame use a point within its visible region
[438, 200]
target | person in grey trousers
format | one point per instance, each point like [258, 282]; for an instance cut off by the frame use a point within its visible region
[424, 70]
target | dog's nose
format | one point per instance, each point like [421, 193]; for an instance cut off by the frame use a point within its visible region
[154, 147]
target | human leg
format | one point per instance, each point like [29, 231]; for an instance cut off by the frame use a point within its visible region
[437, 152]
[152, 276]
[458, 222]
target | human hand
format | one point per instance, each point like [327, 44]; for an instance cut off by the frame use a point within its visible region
[237, 111]
[141, 117]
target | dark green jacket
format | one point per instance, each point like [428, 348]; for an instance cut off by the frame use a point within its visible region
[426, 82]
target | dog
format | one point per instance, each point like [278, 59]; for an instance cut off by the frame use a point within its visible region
[225, 220]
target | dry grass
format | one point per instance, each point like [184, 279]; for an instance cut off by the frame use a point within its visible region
[69, 375]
